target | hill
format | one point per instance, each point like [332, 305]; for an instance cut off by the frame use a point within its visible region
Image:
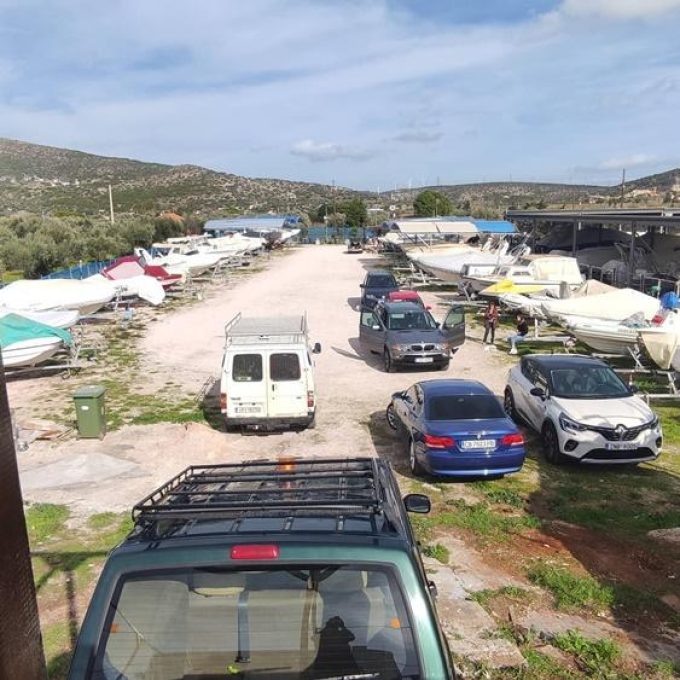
[44, 179]
[41, 179]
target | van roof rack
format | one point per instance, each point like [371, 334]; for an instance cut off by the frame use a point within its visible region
[292, 488]
[276, 329]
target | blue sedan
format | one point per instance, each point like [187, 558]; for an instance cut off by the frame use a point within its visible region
[456, 428]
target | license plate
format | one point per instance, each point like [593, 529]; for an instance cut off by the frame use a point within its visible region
[424, 360]
[620, 446]
[479, 444]
[247, 409]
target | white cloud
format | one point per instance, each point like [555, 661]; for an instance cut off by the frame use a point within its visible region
[633, 161]
[619, 9]
[328, 151]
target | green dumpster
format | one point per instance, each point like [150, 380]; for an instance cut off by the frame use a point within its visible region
[90, 411]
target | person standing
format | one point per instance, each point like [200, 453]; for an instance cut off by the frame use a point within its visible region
[520, 335]
[490, 322]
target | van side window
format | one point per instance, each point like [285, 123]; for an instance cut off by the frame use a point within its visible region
[247, 368]
[284, 367]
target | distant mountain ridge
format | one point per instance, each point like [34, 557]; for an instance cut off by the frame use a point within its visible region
[47, 179]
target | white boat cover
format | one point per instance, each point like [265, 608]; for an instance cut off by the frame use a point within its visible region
[615, 306]
[436, 227]
[145, 287]
[43, 294]
[556, 269]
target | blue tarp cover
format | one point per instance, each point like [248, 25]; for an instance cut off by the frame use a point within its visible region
[15, 328]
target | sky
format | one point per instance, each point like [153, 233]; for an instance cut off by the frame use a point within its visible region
[369, 94]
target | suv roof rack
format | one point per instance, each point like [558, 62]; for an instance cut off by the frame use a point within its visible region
[337, 487]
[278, 329]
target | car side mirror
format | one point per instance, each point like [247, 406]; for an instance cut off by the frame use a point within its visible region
[417, 502]
[634, 389]
[537, 392]
[317, 348]
[428, 307]
[362, 285]
[439, 325]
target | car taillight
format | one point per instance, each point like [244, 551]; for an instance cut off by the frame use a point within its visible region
[515, 439]
[434, 442]
[255, 552]
[223, 402]
[310, 399]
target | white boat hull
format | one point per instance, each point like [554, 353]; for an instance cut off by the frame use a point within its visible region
[48, 294]
[57, 318]
[608, 342]
[27, 353]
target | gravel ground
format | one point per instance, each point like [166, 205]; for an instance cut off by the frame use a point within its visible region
[186, 346]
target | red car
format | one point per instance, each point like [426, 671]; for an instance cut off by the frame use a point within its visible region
[405, 296]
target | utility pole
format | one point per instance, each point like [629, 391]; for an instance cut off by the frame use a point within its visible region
[623, 184]
[113, 219]
[21, 652]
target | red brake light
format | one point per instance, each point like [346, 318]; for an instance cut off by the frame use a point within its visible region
[310, 399]
[223, 402]
[255, 552]
[515, 439]
[435, 442]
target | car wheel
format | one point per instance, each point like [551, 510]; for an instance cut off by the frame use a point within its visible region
[391, 417]
[415, 467]
[387, 361]
[551, 445]
[509, 404]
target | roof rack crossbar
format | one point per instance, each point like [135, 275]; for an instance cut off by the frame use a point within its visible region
[208, 478]
[364, 463]
[266, 491]
[264, 504]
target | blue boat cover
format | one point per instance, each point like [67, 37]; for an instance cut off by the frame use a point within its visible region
[495, 226]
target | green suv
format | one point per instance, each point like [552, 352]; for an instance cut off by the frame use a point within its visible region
[287, 570]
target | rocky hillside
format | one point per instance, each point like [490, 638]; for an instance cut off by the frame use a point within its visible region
[47, 179]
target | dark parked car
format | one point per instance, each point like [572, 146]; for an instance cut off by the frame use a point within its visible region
[456, 428]
[377, 284]
[288, 570]
[406, 334]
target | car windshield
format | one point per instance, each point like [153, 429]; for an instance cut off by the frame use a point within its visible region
[587, 382]
[381, 281]
[410, 321]
[464, 407]
[299, 623]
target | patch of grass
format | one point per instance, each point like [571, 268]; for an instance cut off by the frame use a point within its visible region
[542, 667]
[438, 551]
[45, 520]
[569, 590]
[484, 521]
[484, 597]
[57, 648]
[595, 655]
[501, 494]
[665, 669]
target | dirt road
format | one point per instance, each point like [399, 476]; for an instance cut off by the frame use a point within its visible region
[185, 347]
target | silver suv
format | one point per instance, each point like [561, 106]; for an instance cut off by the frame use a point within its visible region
[406, 334]
[582, 409]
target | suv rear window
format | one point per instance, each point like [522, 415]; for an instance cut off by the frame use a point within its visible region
[291, 623]
[247, 368]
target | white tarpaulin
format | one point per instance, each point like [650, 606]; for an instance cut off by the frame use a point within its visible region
[616, 306]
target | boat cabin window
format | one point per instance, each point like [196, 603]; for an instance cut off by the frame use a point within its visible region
[284, 367]
[247, 368]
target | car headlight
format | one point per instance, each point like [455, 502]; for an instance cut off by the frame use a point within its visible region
[399, 348]
[569, 425]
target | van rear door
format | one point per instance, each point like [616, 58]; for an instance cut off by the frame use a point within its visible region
[247, 387]
[287, 394]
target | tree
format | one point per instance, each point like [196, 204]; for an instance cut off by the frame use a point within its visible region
[355, 213]
[431, 203]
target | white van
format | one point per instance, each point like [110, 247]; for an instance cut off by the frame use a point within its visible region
[267, 373]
